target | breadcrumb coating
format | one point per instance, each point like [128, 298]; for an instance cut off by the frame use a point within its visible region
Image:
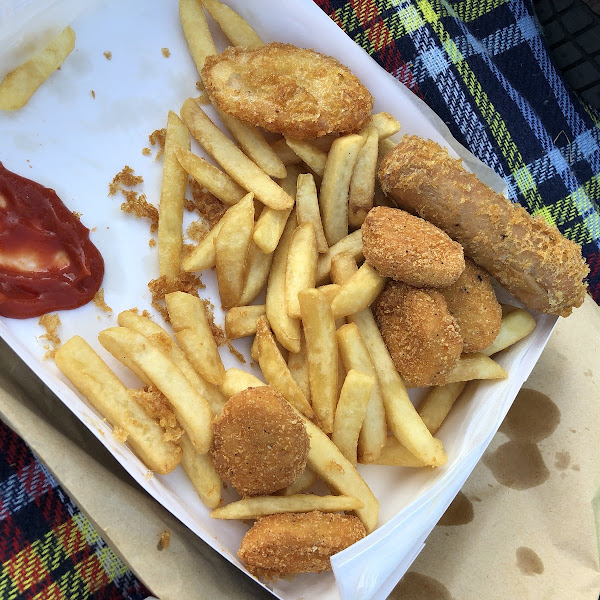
[294, 91]
[421, 335]
[409, 249]
[530, 258]
[472, 302]
[260, 444]
[292, 543]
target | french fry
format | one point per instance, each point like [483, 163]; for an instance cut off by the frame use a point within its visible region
[331, 290]
[402, 417]
[203, 256]
[355, 356]
[475, 366]
[307, 208]
[94, 379]
[298, 365]
[285, 153]
[240, 321]
[237, 30]
[233, 161]
[394, 454]
[304, 481]
[275, 369]
[385, 146]
[362, 184]
[436, 405]
[343, 268]
[19, 85]
[514, 326]
[237, 380]
[385, 125]
[192, 409]
[340, 474]
[322, 354]
[231, 250]
[350, 412]
[359, 292]
[219, 184]
[286, 329]
[301, 267]
[259, 506]
[172, 195]
[333, 195]
[147, 327]
[271, 223]
[194, 335]
[201, 471]
[196, 32]
[310, 154]
[258, 265]
[352, 243]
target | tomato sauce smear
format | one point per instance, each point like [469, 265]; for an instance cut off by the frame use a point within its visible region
[47, 261]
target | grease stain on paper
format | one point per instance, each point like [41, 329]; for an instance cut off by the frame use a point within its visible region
[460, 512]
[562, 460]
[414, 586]
[532, 417]
[529, 562]
[517, 465]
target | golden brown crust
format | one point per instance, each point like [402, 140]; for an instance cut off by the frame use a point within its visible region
[292, 543]
[472, 302]
[293, 91]
[530, 258]
[421, 335]
[260, 444]
[409, 249]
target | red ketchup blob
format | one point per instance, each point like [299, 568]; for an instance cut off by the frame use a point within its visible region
[47, 261]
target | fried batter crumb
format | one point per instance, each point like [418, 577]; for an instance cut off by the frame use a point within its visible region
[138, 205]
[151, 242]
[236, 353]
[203, 98]
[149, 474]
[165, 52]
[126, 177]
[120, 434]
[76, 214]
[197, 231]
[200, 86]
[217, 332]
[93, 94]
[156, 406]
[50, 323]
[146, 151]
[208, 206]
[184, 282]
[165, 540]
[158, 136]
[98, 300]
[107, 55]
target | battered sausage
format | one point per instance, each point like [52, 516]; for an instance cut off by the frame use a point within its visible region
[406, 248]
[292, 543]
[260, 444]
[421, 335]
[531, 259]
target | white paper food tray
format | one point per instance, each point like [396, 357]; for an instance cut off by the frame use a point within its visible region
[68, 140]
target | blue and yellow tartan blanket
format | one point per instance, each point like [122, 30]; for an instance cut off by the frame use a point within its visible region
[482, 66]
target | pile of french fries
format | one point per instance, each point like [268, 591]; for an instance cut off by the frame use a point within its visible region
[292, 227]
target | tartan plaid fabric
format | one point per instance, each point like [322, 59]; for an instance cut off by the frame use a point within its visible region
[48, 548]
[484, 69]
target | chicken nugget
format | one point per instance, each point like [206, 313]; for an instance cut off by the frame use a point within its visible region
[297, 92]
[530, 258]
[472, 302]
[421, 335]
[409, 249]
[292, 543]
[260, 444]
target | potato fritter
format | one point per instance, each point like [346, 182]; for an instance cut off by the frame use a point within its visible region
[297, 92]
[409, 249]
[292, 543]
[260, 444]
[472, 302]
[530, 258]
[421, 335]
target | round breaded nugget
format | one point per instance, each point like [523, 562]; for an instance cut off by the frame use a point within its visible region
[291, 543]
[421, 335]
[472, 301]
[409, 249]
[260, 444]
[294, 91]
